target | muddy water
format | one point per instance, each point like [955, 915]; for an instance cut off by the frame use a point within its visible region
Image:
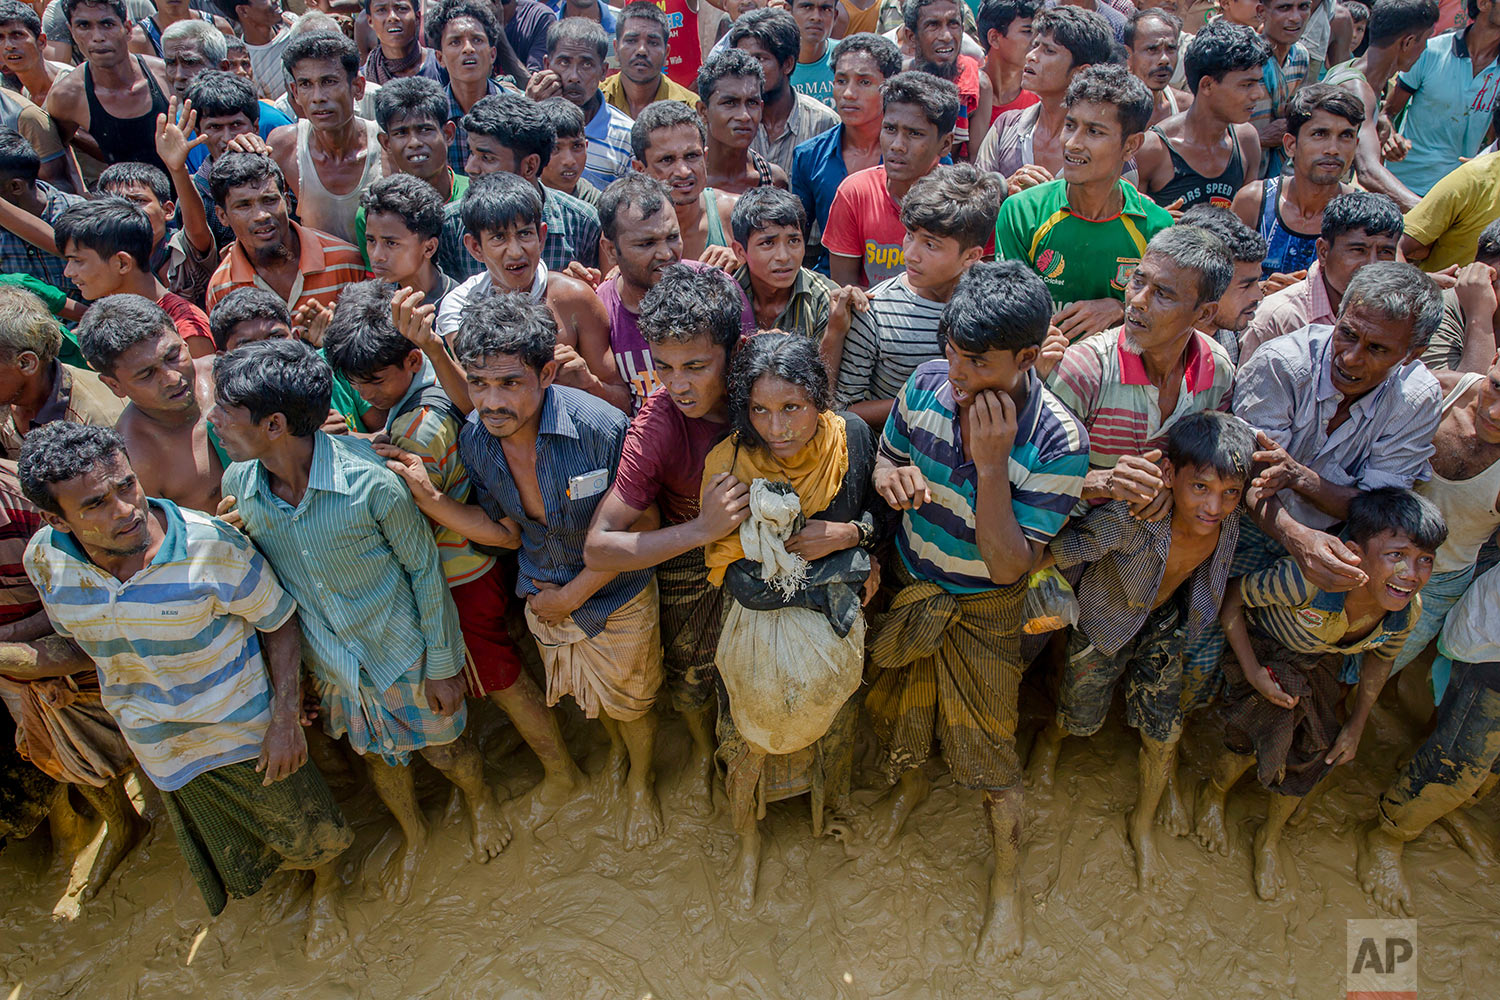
[569, 913]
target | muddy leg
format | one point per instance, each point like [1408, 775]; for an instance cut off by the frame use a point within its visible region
[747, 863]
[70, 831]
[1042, 766]
[1001, 935]
[393, 783]
[1210, 829]
[1172, 814]
[910, 792]
[700, 768]
[617, 768]
[326, 931]
[1269, 878]
[538, 726]
[123, 829]
[1157, 761]
[643, 820]
[461, 764]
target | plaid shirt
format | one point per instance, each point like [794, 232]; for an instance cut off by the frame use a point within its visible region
[572, 234]
[807, 310]
[19, 257]
[1126, 559]
[1282, 80]
[458, 149]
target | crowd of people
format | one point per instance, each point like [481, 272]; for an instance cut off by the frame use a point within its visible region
[807, 369]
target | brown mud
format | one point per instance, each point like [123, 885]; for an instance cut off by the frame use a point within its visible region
[569, 912]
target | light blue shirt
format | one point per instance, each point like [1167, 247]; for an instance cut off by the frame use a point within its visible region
[1449, 111]
[608, 133]
[815, 79]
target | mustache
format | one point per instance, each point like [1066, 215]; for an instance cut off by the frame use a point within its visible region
[491, 414]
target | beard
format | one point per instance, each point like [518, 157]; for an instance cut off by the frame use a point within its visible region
[947, 71]
[275, 254]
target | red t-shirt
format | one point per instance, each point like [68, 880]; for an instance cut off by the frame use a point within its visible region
[1024, 99]
[864, 221]
[662, 459]
[190, 320]
[684, 50]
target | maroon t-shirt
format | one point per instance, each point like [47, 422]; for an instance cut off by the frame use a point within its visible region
[662, 458]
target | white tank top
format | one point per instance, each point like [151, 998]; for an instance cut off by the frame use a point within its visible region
[1468, 505]
[317, 207]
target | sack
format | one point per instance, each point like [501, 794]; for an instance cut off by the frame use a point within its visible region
[787, 673]
[1050, 603]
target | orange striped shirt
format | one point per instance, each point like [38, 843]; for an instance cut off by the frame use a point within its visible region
[326, 264]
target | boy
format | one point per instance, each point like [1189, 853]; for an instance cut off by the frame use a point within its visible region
[1294, 646]
[570, 151]
[1147, 589]
[401, 218]
[948, 218]
[107, 246]
[769, 226]
[1290, 65]
[391, 375]
[505, 232]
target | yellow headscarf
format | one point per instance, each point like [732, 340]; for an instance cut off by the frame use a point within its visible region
[816, 473]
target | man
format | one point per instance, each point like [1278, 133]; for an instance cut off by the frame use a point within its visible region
[670, 142]
[1358, 229]
[1398, 35]
[1322, 133]
[1288, 68]
[730, 89]
[813, 76]
[398, 52]
[140, 356]
[641, 35]
[1086, 263]
[381, 635]
[266, 35]
[1025, 144]
[864, 235]
[937, 30]
[788, 117]
[984, 464]
[227, 108]
[36, 388]
[576, 53]
[109, 110]
[1204, 154]
[1237, 306]
[1151, 39]
[20, 30]
[1444, 228]
[299, 264]
[198, 651]
[464, 34]
[1005, 29]
[1447, 98]
[35, 204]
[25, 58]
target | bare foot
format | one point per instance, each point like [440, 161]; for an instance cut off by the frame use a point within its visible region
[643, 823]
[1042, 766]
[746, 869]
[554, 791]
[1269, 880]
[700, 778]
[400, 873]
[1149, 870]
[909, 793]
[1172, 814]
[119, 838]
[1464, 833]
[327, 934]
[1210, 826]
[489, 831]
[1000, 937]
[1378, 867]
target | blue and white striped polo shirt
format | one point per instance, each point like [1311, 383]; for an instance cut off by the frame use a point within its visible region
[609, 155]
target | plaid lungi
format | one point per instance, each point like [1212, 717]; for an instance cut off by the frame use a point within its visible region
[617, 672]
[390, 724]
[692, 615]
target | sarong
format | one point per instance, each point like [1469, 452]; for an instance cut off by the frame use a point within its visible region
[617, 672]
[692, 615]
[235, 833]
[390, 724]
[62, 728]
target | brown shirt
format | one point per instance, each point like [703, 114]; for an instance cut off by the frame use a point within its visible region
[77, 395]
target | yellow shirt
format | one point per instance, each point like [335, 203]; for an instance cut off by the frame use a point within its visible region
[1453, 214]
[613, 90]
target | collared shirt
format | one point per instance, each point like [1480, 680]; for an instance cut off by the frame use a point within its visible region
[1285, 606]
[809, 117]
[458, 149]
[1105, 384]
[1048, 461]
[1450, 217]
[1008, 145]
[1288, 309]
[325, 266]
[19, 520]
[20, 257]
[359, 558]
[806, 311]
[572, 234]
[579, 436]
[1126, 559]
[613, 89]
[77, 395]
[609, 155]
[1285, 391]
[181, 667]
[1449, 111]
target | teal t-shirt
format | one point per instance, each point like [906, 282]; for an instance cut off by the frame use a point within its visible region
[815, 79]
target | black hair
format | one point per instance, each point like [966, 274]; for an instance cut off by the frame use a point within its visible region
[1361, 211]
[515, 122]
[1212, 439]
[496, 202]
[885, 53]
[635, 190]
[15, 12]
[998, 15]
[730, 62]
[1085, 34]
[241, 306]
[115, 324]
[1132, 23]
[413, 199]
[127, 172]
[578, 29]
[217, 94]
[1001, 305]
[688, 303]
[1391, 19]
[786, 356]
[17, 157]
[277, 376]
[1397, 291]
[1398, 510]
[1196, 250]
[321, 45]
[107, 225]
[452, 10]
[567, 117]
[1488, 249]
[1108, 83]
[411, 98]
[1221, 48]
[1245, 244]
[361, 338]
[660, 115]
[233, 170]
[911, 11]
[1317, 97]
[646, 11]
[774, 28]
[938, 98]
[59, 451]
[506, 324]
[958, 201]
[118, 6]
[764, 206]
[1358, 12]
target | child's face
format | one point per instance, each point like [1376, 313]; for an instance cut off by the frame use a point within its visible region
[1247, 12]
[144, 199]
[510, 255]
[239, 65]
[569, 155]
[384, 389]
[418, 146]
[1397, 568]
[220, 130]
[973, 372]
[96, 276]
[774, 255]
[934, 261]
[1357, 35]
[396, 253]
[1201, 498]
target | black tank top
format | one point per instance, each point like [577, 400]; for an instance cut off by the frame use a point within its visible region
[126, 139]
[1195, 189]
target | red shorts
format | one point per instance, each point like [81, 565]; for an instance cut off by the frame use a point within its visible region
[493, 663]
